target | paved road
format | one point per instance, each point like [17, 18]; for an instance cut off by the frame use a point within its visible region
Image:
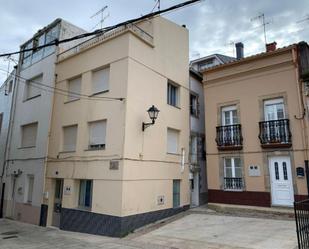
[207, 231]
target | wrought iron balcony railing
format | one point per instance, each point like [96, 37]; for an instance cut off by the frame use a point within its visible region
[229, 137]
[233, 183]
[275, 133]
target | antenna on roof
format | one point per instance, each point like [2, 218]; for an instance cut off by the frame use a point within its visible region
[304, 20]
[158, 3]
[261, 17]
[103, 18]
[231, 43]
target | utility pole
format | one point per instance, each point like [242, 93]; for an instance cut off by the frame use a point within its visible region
[261, 17]
[103, 18]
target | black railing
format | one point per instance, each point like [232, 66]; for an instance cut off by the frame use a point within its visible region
[229, 137]
[301, 209]
[233, 183]
[275, 133]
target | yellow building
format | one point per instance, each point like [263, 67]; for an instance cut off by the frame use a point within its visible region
[104, 174]
[256, 128]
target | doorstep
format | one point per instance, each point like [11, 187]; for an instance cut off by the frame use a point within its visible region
[248, 211]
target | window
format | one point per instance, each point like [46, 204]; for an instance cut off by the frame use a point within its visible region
[10, 86]
[194, 105]
[176, 193]
[30, 180]
[229, 115]
[232, 167]
[29, 134]
[85, 194]
[51, 35]
[274, 109]
[172, 94]
[38, 54]
[27, 55]
[74, 88]
[32, 87]
[100, 80]
[69, 138]
[193, 149]
[97, 134]
[172, 141]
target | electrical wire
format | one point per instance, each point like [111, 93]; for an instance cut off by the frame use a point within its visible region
[56, 42]
[60, 91]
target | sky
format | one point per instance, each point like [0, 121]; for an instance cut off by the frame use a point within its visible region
[214, 25]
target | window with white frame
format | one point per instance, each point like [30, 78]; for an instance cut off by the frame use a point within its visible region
[172, 94]
[172, 141]
[69, 138]
[85, 194]
[97, 134]
[194, 105]
[32, 88]
[229, 115]
[274, 109]
[233, 173]
[30, 184]
[100, 80]
[29, 134]
[74, 88]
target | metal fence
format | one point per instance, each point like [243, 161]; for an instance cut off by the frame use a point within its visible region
[301, 209]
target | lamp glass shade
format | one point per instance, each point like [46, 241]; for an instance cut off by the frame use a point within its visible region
[153, 112]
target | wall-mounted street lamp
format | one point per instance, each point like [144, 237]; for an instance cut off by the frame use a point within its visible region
[153, 114]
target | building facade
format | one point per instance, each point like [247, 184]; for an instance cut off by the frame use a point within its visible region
[257, 136]
[106, 172]
[6, 100]
[26, 151]
[198, 172]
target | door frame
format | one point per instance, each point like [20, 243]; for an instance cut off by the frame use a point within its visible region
[270, 158]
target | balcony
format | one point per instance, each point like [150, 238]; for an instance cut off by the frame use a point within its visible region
[233, 183]
[229, 137]
[275, 133]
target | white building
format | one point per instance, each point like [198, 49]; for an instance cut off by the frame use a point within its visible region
[6, 96]
[197, 126]
[31, 115]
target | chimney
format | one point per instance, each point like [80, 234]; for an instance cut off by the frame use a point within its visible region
[271, 47]
[239, 50]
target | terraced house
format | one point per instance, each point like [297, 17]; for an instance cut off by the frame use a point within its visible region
[257, 136]
[118, 148]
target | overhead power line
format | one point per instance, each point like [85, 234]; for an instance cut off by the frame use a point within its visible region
[60, 91]
[101, 31]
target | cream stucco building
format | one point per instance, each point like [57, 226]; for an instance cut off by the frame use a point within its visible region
[104, 174]
[257, 128]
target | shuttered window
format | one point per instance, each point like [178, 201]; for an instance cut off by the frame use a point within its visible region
[100, 80]
[172, 141]
[74, 88]
[69, 138]
[97, 134]
[33, 87]
[29, 134]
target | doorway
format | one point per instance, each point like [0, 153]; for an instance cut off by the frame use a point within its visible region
[57, 202]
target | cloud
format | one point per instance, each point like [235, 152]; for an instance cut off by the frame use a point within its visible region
[213, 24]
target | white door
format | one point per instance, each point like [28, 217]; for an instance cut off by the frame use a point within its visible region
[229, 117]
[281, 181]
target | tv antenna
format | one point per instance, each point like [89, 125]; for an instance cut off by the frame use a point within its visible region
[103, 17]
[231, 43]
[261, 17]
[158, 4]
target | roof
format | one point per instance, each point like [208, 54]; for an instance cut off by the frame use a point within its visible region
[250, 58]
[222, 58]
[195, 73]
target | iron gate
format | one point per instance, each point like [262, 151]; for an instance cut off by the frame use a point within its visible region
[301, 209]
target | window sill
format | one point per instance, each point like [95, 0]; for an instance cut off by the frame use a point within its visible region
[67, 151]
[34, 97]
[94, 149]
[233, 190]
[87, 209]
[177, 107]
[69, 101]
[26, 147]
[173, 154]
[98, 93]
